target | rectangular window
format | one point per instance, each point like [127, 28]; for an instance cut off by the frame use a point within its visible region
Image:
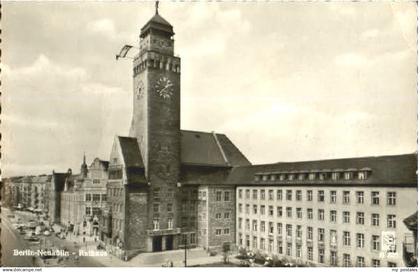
[391, 221]
[218, 196]
[270, 195]
[240, 223]
[254, 242]
[346, 238]
[262, 244]
[346, 197]
[262, 228]
[240, 208]
[255, 194]
[376, 263]
[255, 209]
[155, 224]
[88, 197]
[247, 224]
[226, 215]
[218, 231]
[298, 251]
[298, 195]
[289, 195]
[346, 217]
[240, 193]
[270, 245]
[299, 213]
[262, 209]
[360, 197]
[227, 196]
[262, 194]
[298, 231]
[279, 247]
[270, 210]
[289, 230]
[289, 212]
[321, 256]
[391, 198]
[88, 209]
[170, 223]
[346, 260]
[169, 207]
[375, 219]
[333, 196]
[247, 208]
[156, 207]
[104, 197]
[310, 214]
[360, 240]
[254, 225]
[391, 264]
[375, 198]
[226, 231]
[309, 195]
[271, 227]
[360, 218]
[321, 196]
[320, 214]
[289, 249]
[310, 233]
[279, 211]
[333, 216]
[310, 253]
[279, 229]
[247, 194]
[376, 245]
[279, 194]
[360, 261]
[333, 258]
[321, 235]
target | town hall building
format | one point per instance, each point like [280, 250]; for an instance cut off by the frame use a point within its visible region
[169, 188]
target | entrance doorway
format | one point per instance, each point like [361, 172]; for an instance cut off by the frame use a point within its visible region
[157, 243]
[169, 242]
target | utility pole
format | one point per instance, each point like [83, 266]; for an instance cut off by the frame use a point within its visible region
[185, 250]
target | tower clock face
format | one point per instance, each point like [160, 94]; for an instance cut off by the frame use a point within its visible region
[164, 87]
[140, 89]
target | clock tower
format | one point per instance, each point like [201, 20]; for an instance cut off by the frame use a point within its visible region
[156, 125]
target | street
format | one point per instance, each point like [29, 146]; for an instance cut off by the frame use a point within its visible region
[11, 240]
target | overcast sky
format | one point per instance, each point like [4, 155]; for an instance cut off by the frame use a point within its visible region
[284, 81]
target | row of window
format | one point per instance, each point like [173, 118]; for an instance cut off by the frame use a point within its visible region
[156, 224]
[226, 215]
[315, 175]
[92, 211]
[391, 197]
[391, 219]
[115, 191]
[333, 258]
[95, 197]
[224, 231]
[226, 196]
[375, 242]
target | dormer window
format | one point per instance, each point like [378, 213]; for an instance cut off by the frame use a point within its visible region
[348, 175]
[335, 176]
[362, 175]
[291, 177]
[322, 176]
[273, 177]
[265, 177]
[301, 176]
[257, 178]
[282, 176]
[312, 176]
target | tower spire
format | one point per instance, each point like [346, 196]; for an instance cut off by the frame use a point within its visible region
[157, 6]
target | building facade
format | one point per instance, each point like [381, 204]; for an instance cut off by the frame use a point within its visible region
[341, 216]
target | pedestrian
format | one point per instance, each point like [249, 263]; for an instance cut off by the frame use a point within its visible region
[171, 264]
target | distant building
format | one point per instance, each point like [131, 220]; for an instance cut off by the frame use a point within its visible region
[78, 199]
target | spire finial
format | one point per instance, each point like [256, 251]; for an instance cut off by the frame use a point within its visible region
[84, 157]
[157, 6]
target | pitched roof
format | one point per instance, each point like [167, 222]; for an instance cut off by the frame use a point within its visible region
[209, 149]
[397, 170]
[157, 22]
[131, 152]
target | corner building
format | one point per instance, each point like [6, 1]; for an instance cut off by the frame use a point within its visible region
[168, 187]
